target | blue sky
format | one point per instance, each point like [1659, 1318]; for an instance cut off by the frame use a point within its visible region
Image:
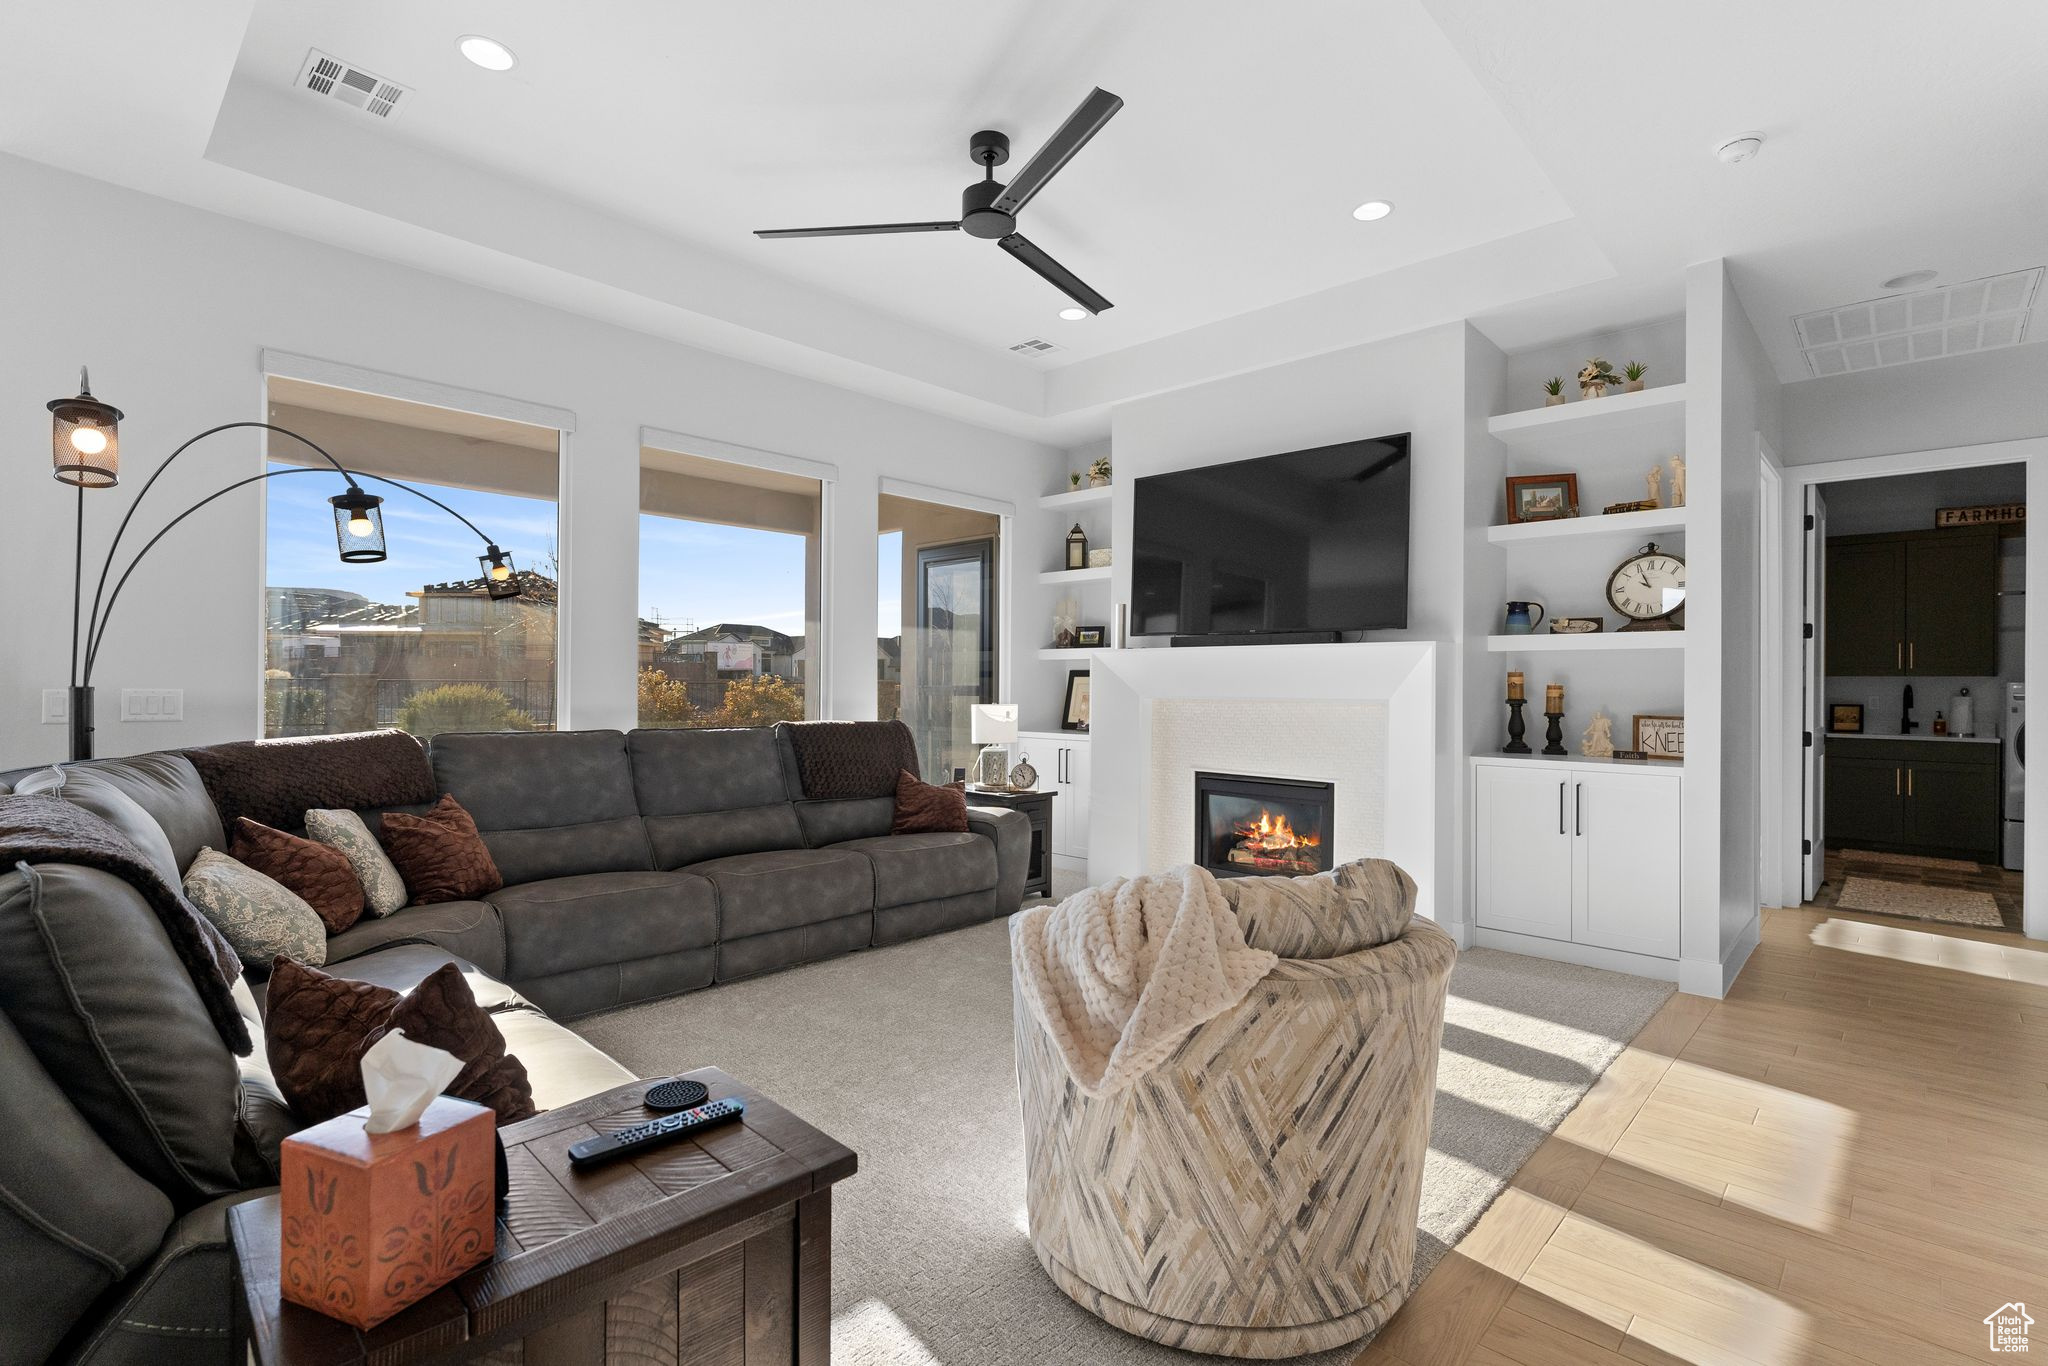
[695, 570]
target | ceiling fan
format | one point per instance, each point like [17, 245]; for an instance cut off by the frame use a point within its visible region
[988, 208]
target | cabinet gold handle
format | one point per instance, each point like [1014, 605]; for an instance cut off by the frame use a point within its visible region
[1909, 654]
[1896, 789]
[1898, 654]
[1909, 782]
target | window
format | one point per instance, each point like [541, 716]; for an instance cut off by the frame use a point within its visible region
[935, 648]
[730, 598]
[414, 641]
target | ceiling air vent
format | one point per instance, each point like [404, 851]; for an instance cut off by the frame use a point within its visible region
[1976, 315]
[1036, 346]
[353, 86]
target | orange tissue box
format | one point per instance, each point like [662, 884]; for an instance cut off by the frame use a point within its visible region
[375, 1222]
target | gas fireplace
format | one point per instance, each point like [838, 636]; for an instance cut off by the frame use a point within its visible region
[1262, 826]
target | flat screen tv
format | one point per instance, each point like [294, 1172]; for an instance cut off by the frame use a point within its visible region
[1307, 543]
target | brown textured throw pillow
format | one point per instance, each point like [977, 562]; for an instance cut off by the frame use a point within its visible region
[318, 874]
[317, 1028]
[440, 855]
[926, 809]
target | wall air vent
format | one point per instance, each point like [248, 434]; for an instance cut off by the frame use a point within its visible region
[337, 80]
[1036, 346]
[1954, 320]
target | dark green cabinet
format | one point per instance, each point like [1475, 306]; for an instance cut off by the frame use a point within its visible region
[1913, 603]
[1934, 797]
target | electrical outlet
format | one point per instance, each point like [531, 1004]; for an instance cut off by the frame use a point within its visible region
[56, 706]
[152, 704]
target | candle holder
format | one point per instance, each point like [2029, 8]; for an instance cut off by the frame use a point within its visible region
[1553, 733]
[1516, 729]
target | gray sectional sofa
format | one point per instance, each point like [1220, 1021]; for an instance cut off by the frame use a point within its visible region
[637, 865]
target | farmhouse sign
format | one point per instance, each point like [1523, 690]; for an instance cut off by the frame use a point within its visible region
[1981, 515]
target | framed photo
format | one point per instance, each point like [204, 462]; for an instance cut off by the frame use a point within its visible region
[1845, 718]
[1088, 638]
[1074, 712]
[1542, 497]
[1661, 737]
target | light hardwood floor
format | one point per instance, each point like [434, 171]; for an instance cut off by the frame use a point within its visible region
[1845, 1161]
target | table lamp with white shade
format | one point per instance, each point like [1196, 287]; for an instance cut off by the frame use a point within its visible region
[995, 728]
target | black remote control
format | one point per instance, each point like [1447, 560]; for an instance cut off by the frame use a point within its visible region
[641, 1137]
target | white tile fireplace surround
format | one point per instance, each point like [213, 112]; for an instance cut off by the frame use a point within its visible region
[1359, 716]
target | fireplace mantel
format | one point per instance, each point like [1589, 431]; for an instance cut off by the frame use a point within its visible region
[1383, 753]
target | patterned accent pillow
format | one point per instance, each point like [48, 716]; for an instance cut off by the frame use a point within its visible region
[261, 918]
[318, 873]
[383, 888]
[317, 1028]
[926, 809]
[439, 853]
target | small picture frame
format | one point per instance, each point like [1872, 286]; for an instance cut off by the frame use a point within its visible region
[1845, 718]
[1660, 737]
[1542, 497]
[1088, 638]
[1074, 711]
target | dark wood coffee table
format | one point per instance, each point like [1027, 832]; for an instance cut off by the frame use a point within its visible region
[711, 1251]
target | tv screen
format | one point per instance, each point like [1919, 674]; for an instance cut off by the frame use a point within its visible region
[1313, 540]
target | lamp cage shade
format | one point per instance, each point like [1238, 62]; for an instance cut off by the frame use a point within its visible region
[358, 526]
[501, 579]
[85, 441]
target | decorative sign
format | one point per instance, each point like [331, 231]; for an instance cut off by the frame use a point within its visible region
[735, 654]
[1660, 737]
[1984, 514]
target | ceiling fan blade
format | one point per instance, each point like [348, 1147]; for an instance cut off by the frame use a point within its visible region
[1081, 125]
[1062, 279]
[857, 229]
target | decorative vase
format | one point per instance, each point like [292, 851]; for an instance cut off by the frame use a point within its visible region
[1592, 390]
[1096, 481]
[1552, 400]
[1634, 386]
[1519, 622]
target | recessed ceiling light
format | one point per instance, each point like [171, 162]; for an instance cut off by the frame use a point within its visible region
[1372, 210]
[1912, 279]
[1074, 315]
[488, 53]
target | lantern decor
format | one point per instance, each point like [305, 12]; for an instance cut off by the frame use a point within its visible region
[85, 443]
[1516, 729]
[1077, 548]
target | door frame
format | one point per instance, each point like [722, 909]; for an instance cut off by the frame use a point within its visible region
[2031, 452]
[1771, 639]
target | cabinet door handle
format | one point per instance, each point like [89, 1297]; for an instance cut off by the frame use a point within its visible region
[1909, 782]
[1909, 654]
[1896, 789]
[1899, 654]
[1578, 808]
[1062, 768]
[1560, 808]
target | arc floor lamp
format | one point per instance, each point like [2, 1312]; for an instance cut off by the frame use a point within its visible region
[85, 444]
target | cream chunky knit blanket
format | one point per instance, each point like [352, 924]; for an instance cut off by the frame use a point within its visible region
[1119, 974]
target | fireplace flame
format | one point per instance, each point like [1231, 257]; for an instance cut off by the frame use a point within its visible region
[1271, 833]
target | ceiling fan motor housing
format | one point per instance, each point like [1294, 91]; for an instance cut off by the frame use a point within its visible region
[978, 215]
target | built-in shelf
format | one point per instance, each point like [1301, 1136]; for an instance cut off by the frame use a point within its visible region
[1632, 525]
[1050, 653]
[1671, 766]
[1074, 498]
[1100, 574]
[1591, 641]
[1651, 423]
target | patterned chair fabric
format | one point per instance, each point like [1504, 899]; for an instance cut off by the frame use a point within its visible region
[1256, 1195]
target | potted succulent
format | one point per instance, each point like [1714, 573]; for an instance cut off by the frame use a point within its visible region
[1633, 372]
[1553, 391]
[1073, 479]
[1098, 472]
[1594, 378]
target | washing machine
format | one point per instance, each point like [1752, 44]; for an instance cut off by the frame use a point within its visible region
[2015, 773]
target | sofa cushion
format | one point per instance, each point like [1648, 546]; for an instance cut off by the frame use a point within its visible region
[259, 915]
[549, 803]
[319, 873]
[167, 786]
[786, 888]
[74, 1219]
[834, 821]
[105, 798]
[440, 853]
[277, 781]
[383, 889]
[928, 808]
[912, 868]
[839, 759]
[707, 794]
[470, 930]
[563, 923]
[93, 983]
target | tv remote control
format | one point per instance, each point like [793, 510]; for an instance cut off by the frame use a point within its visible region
[653, 1133]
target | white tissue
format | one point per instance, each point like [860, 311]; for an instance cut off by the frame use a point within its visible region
[401, 1078]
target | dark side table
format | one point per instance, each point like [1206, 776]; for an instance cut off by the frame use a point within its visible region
[709, 1250]
[1038, 807]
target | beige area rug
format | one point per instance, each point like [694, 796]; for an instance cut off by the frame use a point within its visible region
[905, 1054]
[1952, 865]
[1952, 905]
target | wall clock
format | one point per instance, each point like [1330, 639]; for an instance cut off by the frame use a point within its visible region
[1649, 589]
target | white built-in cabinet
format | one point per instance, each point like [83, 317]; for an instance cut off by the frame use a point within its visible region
[1061, 758]
[1578, 856]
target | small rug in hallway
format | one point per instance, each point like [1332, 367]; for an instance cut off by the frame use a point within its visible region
[1947, 865]
[1952, 905]
[905, 1054]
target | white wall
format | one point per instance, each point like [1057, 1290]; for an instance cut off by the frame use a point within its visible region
[1931, 405]
[172, 307]
[1659, 345]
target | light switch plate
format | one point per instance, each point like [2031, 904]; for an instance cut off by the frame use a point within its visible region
[152, 704]
[56, 706]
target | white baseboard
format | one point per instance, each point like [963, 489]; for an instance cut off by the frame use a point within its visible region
[1585, 955]
[1460, 932]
